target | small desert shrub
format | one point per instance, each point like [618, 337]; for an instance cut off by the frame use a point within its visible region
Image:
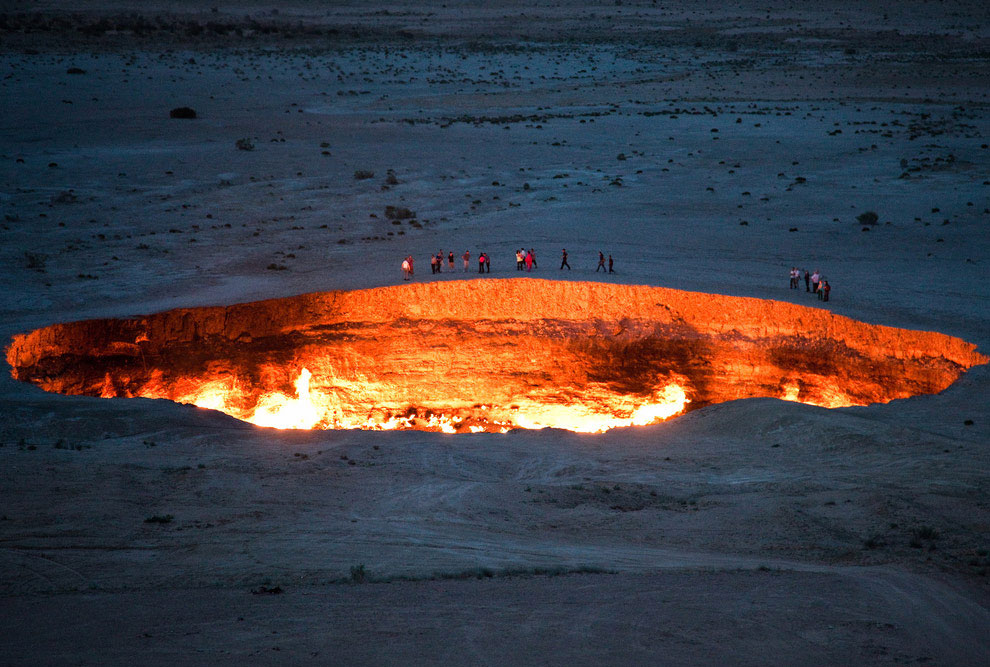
[266, 590]
[398, 213]
[159, 518]
[358, 575]
[244, 144]
[35, 260]
[182, 112]
[868, 218]
[926, 533]
[873, 542]
[362, 174]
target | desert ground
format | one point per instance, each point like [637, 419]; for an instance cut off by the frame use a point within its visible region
[706, 148]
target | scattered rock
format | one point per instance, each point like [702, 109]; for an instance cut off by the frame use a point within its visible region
[244, 144]
[361, 175]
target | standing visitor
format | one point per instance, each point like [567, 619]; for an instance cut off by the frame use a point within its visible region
[826, 290]
[440, 262]
[529, 261]
[410, 260]
[433, 263]
[450, 260]
[488, 263]
[601, 262]
[610, 263]
[563, 261]
[481, 263]
[467, 258]
[519, 260]
[532, 253]
[807, 279]
[815, 278]
[405, 269]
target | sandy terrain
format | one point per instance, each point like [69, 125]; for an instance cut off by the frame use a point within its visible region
[705, 149]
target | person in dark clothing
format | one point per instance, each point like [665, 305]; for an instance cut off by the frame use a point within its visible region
[563, 261]
[610, 263]
[450, 260]
[601, 262]
[826, 290]
[532, 253]
[488, 263]
[481, 263]
[440, 262]
[807, 281]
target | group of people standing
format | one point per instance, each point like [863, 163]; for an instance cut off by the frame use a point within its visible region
[437, 263]
[525, 261]
[813, 282]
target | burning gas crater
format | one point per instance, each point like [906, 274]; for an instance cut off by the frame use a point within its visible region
[488, 355]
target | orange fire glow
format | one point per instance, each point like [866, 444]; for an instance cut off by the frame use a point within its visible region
[489, 356]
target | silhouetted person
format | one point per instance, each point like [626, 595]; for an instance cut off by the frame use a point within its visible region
[563, 260]
[450, 260]
[601, 262]
[825, 291]
[481, 263]
[488, 263]
[807, 279]
[532, 253]
[467, 258]
[610, 263]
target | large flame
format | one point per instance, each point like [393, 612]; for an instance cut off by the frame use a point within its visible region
[277, 410]
[309, 409]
